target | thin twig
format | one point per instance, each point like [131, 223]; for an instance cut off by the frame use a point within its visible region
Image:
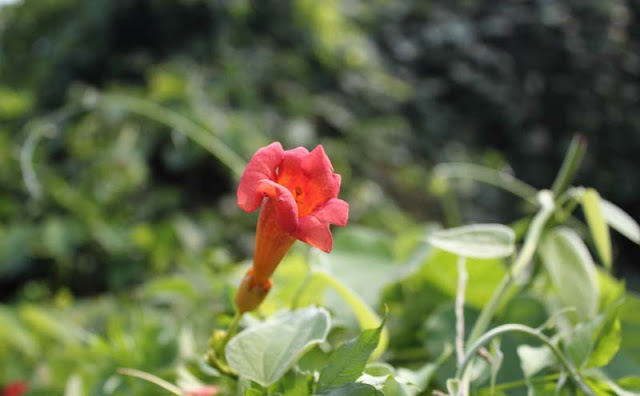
[153, 379]
[462, 284]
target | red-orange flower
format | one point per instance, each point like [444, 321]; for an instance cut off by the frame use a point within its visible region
[302, 193]
[15, 389]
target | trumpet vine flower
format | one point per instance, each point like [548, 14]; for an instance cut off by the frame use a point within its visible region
[298, 192]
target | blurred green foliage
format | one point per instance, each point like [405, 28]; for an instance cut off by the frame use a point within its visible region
[124, 124]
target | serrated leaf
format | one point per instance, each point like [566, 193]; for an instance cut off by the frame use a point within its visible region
[348, 361]
[534, 359]
[352, 389]
[597, 225]
[264, 352]
[572, 271]
[620, 221]
[482, 241]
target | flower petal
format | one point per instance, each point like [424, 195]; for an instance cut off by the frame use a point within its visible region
[335, 211]
[317, 167]
[262, 166]
[285, 205]
[315, 232]
[337, 179]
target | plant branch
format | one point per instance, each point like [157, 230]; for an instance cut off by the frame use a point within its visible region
[517, 328]
[489, 176]
[231, 329]
[572, 160]
[199, 134]
[153, 379]
[519, 266]
[462, 284]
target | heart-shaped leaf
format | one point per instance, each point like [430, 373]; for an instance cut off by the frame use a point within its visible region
[265, 352]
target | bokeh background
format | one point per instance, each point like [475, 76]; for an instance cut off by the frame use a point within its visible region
[124, 126]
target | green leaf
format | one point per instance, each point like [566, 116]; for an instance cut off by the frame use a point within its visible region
[496, 360]
[476, 241]
[599, 229]
[439, 272]
[422, 376]
[49, 324]
[13, 333]
[620, 221]
[453, 386]
[348, 361]
[367, 318]
[607, 345]
[296, 383]
[630, 383]
[580, 343]
[594, 343]
[382, 376]
[534, 359]
[572, 271]
[392, 387]
[352, 389]
[264, 352]
[607, 338]
[73, 386]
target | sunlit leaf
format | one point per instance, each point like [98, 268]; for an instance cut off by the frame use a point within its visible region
[476, 241]
[366, 316]
[620, 221]
[534, 359]
[607, 344]
[572, 271]
[580, 343]
[74, 386]
[599, 229]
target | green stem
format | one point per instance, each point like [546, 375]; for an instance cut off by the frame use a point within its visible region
[519, 266]
[191, 129]
[572, 160]
[232, 328]
[517, 328]
[535, 231]
[571, 198]
[153, 379]
[459, 307]
[489, 176]
[482, 323]
[520, 383]
[450, 208]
